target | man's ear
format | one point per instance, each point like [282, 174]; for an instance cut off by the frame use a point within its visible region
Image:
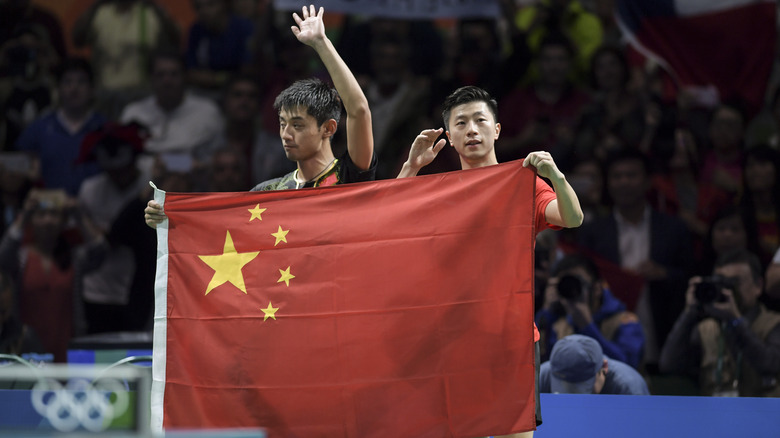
[498, 130]
[329, 128]
[447, 133]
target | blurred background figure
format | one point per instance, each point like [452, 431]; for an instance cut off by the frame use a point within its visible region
[178, 120]
[47, 266]
[107, 290]
[16, 337]
[54, 139]
[261, 153]
[643, 241]
[121, 35]
[726, 338]
[219, 45]
[577, 300]
[760, 201]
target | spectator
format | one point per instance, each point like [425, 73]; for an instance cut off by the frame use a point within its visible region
[578, 365]
[727, 233]
[398, 101]
[228, 171]
[107, 291]
[260, 149]
[615, 109]
[16, 337]
[24, 14]
[121, 35]
[54, 139]
[722, 166]
[546, 113]
[28, 83]
[47, 267]
[677, 188]
[16, 176]
[567, 17]
[760, 201]
[725, 336]
[643, 241]
[177, 120]
[219, 45]
[578, 301]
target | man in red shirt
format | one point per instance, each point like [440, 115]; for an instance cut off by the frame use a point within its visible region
[470, 115]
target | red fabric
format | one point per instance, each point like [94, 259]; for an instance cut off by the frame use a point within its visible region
[410, 313]
[46, 304]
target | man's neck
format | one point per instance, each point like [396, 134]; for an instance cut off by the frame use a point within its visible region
[74, 119]
[315, 166]
[170, 106]
[632, 213]
[487, 160]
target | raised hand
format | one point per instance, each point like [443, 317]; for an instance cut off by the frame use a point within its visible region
[310, 29]
[423, 152]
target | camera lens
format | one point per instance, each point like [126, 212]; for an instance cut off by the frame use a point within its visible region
[570, 287]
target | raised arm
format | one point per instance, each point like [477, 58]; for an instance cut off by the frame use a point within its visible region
[360, 141]
[565, 211]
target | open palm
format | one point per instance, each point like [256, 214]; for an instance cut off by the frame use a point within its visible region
[310, 28]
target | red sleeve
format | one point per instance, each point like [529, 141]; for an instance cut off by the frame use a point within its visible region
[544, 195]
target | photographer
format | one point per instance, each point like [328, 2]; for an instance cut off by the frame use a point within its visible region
[725, 336]
[577, 301]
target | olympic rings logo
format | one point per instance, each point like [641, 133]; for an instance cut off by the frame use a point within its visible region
[80, 403]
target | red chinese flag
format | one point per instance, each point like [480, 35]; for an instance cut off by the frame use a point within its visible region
[398, 308]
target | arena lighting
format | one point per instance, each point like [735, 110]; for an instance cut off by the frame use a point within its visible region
[89, 398]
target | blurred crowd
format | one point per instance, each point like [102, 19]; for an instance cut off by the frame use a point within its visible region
[671, 187]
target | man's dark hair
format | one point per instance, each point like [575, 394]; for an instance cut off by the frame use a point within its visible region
[464, 95]
[575, 260]
[320, 99]
[740, 256]
[167, 54]
[76, 64]
[627, 154]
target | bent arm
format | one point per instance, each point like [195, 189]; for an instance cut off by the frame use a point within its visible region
[360, 140]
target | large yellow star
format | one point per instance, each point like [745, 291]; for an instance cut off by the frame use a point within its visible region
[270, 312]
[256, 212]
[286, 276]
[227, 266]
[281, 235]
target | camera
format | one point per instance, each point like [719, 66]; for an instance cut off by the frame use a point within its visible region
[711, 288]
[571, 287]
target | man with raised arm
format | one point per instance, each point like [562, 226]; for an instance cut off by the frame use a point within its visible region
[309, 112]
[470, 115]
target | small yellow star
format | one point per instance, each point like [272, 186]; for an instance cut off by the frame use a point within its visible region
[281, 235]
[270, 312]
[256, 212]
[286, 276]
[227, 266]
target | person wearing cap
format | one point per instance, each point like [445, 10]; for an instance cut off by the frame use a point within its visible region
[578, 365]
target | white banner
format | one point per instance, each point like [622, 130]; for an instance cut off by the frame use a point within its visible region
[407, 9]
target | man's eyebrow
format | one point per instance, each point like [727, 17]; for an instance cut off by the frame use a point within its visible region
[296, 118]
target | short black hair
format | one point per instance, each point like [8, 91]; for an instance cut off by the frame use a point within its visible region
[464, 95]
[168, 54]
[740, 256]
[627, 154]
[320, 99]
[577, 260]
[76, 64]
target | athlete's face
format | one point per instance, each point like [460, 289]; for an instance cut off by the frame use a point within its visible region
[301, 137]
[473, 131]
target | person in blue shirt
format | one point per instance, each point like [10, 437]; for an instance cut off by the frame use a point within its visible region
[54, 139]
[578, 365]
[578, 301]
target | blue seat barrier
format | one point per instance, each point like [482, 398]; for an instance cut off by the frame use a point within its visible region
[606, 416]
